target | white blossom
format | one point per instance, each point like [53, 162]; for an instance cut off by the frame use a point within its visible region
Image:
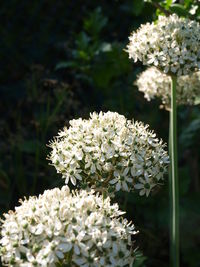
[171, 44]
[62, 228]
[193, 9]
[108, 152]
[144, 185]
[154, 83]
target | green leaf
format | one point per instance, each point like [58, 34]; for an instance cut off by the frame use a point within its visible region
[187, 3]
[168, 3]
[197, 100]
[95, 22]
[106, 47]
[139, 260]
[178, 9]
[138, 7]
[107, 60]
[82, 41]
[66, 64]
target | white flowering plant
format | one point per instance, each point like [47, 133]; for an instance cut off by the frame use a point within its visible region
[171, 44]
[154, 83]
[105, 154]
[109, 153]
[60, 228]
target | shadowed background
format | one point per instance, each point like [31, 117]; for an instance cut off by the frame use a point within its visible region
[64, 59]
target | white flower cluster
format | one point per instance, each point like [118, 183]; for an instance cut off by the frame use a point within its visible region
[172, 44]
[154, 83]
[109, 152]
[60, 228]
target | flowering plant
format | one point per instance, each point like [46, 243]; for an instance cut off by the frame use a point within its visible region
[153, 83]
[171, 44]
[109, 152]
[74, 229]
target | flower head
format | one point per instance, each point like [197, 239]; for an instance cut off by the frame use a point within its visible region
[154, 83]
[108, 152]
[172, 44]
[59, 227]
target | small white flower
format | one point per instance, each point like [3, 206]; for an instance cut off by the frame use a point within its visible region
[86, 230]
[122, 181]
[193, 9]
[114, 151]
[145, 186]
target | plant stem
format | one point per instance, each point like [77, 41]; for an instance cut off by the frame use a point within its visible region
[174, 231]
[170, 190]
[162, 9]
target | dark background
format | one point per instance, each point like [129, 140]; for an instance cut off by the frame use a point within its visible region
[64, 59]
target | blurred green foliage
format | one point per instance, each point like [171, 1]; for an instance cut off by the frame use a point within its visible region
[64, 59]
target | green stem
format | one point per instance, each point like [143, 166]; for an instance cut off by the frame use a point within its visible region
[170, 190]
[162, 9]
[174, 178]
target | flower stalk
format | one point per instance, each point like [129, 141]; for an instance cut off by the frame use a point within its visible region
[174, 229]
